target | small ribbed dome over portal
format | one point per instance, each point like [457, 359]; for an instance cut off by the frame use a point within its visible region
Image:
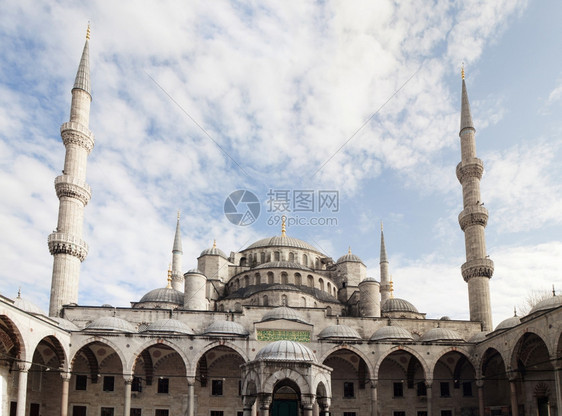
[111, 323]
[169, 326]
[441, 334]
[350, 257]
[226, 328]
[391, 333]
[286, 351]
[283, 312]
[339, 332]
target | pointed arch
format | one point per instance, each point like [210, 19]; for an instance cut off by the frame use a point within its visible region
[425, 367]
[192, 369]
[286, 373]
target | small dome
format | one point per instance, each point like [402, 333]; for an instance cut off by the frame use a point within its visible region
[398, 305]
[339, 332]
[478, 337]
[213, 251]
[283, 312]
[441, 334]
[110, 323]
[286, 351]
[282, 241]
[169, 325]
[282, 265]
[548, 303]
[445, 318]
[369, 280]
[194, 271]
[65, 324]
[27, 306]
[509, 323]
[391, 333]
[226, 328]
[349, 257]
[164, 294]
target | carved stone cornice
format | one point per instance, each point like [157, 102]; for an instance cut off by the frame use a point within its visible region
[473, 215]
[71, 187]
[473, 169]
[75, 133]
[477, 268]
[62, 243]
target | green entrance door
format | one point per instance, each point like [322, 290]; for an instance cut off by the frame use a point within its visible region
[284, 408]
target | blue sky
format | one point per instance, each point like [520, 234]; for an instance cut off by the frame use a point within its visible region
[281, 87]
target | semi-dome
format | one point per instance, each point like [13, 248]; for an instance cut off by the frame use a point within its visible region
[169, 326]
[398, 305]
[65, 324]
[441, 334]
[213, 251]
[111, 323]
[164, 294]
[548, 303]
[283, 312]
[27, 306]
[226, 328]
[349, 257]
[391, 333]
[282, 241]
[508, 323]
[286, 351]
[478, 337]
[282, 265]
[339, 332]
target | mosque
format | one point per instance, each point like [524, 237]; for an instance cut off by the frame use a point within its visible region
[278, 328]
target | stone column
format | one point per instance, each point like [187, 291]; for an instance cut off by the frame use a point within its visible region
[191, 396]
[374, 394]
[480, 386]
[22, 388]
[64, 396]
[307, 402]
[429, 391]
[324, 404]
[558, 386]
[248, 403]
[128, 378]
[265, 402]
[513, 397]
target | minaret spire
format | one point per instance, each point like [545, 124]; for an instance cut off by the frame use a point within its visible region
[65, 243]
[177, 253]
[478, 268]
[385, 282]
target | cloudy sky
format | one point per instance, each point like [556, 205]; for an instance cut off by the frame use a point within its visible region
[193, 101]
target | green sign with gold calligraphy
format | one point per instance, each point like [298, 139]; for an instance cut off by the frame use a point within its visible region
[283, 334]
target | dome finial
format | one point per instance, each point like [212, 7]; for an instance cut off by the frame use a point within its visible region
[169, 285]
[349, 250]
[514, 311]
[215, 243]
[462, 70]
[19, 292]
[553, 291]
[88, 31]
[283, 226]
[391, 288]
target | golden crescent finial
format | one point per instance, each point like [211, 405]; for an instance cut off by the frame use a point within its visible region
[169, 285]
[391, 288]
[381, 225]
[462, 70]
[215, 243]
[88, 31]
[283, 226]
[349, 250]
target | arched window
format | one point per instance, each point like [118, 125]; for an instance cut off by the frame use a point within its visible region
[249, 259]
[292, 257]
[305, 259]
[270, 278]
[303, 301]
[237, 284]
[317, 263]
[335, 293]
[265, 300]
[329, 310]
[284, 278]
[263, 257]
[246, 281]
[329, 287]
[321, 284]
[268, 257]
[277, 256]
[243, 261]
[284, 300]
[258, 279]
[298, 279]
[310, 281]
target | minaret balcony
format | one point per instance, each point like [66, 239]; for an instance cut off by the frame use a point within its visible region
[473, 215]
[76, 133]
[62, 243]
[477, 268]
[71, 187]
[474, 168]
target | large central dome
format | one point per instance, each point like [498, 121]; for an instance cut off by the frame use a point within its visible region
[282, 241]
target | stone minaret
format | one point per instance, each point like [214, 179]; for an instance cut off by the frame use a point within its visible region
[478, 268]
[385, 282]
[65, 243]
[177, 253]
